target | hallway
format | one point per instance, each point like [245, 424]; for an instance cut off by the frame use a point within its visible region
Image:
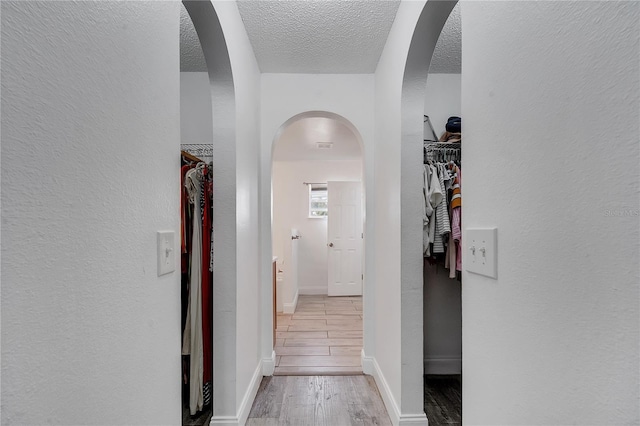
[91, 190]
[323, 336]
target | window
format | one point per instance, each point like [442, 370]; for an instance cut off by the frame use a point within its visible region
[318, 200]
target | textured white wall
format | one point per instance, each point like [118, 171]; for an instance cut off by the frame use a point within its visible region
[284, 96]
[551, 107]
[443, 99]
[442, 303]
[90, 172]
[196, 121]
[291, 210]
[246, 79]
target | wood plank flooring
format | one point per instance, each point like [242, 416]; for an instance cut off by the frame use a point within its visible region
[443, 400]
[318, 400]
[201, 418]
[323, 336]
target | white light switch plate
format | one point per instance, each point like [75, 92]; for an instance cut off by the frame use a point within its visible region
[166, 252]
[481, 251]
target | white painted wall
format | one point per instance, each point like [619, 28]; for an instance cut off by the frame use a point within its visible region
[442, 322]
[387, 257]
[246, 79]
[90, 333]
[196, 124]
[442, 303]
[291, 210]
[284, 96]
[443, 99]
[551, 157]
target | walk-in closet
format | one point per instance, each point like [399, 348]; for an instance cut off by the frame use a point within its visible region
[196, 228]
[442, 231]
[196, 242]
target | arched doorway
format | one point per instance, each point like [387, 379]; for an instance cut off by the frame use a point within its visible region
[209, 31]
[423, 42]
[311, 152]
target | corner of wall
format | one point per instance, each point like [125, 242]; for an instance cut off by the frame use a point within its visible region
[367, 363]
[245, 406]
[370, 366]
[290, 308]
[385, 391]
[269, 364]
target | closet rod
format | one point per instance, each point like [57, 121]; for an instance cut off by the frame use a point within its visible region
[199, 149]
[442, 145]
[190, 157]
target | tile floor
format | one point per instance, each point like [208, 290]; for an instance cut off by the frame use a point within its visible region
[322, 337]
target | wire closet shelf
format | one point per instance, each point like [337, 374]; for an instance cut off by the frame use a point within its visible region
[441, 151]
[200, 150]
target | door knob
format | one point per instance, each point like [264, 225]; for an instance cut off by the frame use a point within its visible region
[330, 244]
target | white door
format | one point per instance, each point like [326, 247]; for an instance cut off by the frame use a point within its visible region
[344, 239]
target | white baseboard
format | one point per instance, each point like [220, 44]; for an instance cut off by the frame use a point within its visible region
[367, 364]
[245, 407]
[314, 290]
[385, 392]
[414, 420]
[269, 365]
[443, 366]
[224, 421]
[397, 419]
[290, 308]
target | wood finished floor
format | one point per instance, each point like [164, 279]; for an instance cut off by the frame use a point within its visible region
[443, 400]
[318, 400]
[322, 337]
[201, 418]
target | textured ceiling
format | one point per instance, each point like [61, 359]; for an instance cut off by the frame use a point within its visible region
[298, 141]
[447, 58]
[330, 36]
[317, 37]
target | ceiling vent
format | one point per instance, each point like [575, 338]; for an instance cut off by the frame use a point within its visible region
[324, 145]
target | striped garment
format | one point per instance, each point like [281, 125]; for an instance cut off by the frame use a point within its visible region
[443, 227]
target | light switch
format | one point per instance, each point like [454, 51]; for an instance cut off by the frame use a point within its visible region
[166, 252]
[481, 251]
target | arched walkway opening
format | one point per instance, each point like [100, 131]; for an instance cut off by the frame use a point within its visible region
[423, 43]
[313, 153]
[216, 54]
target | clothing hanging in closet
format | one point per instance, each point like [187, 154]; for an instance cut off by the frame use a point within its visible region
[442, 204]
[196, 242]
